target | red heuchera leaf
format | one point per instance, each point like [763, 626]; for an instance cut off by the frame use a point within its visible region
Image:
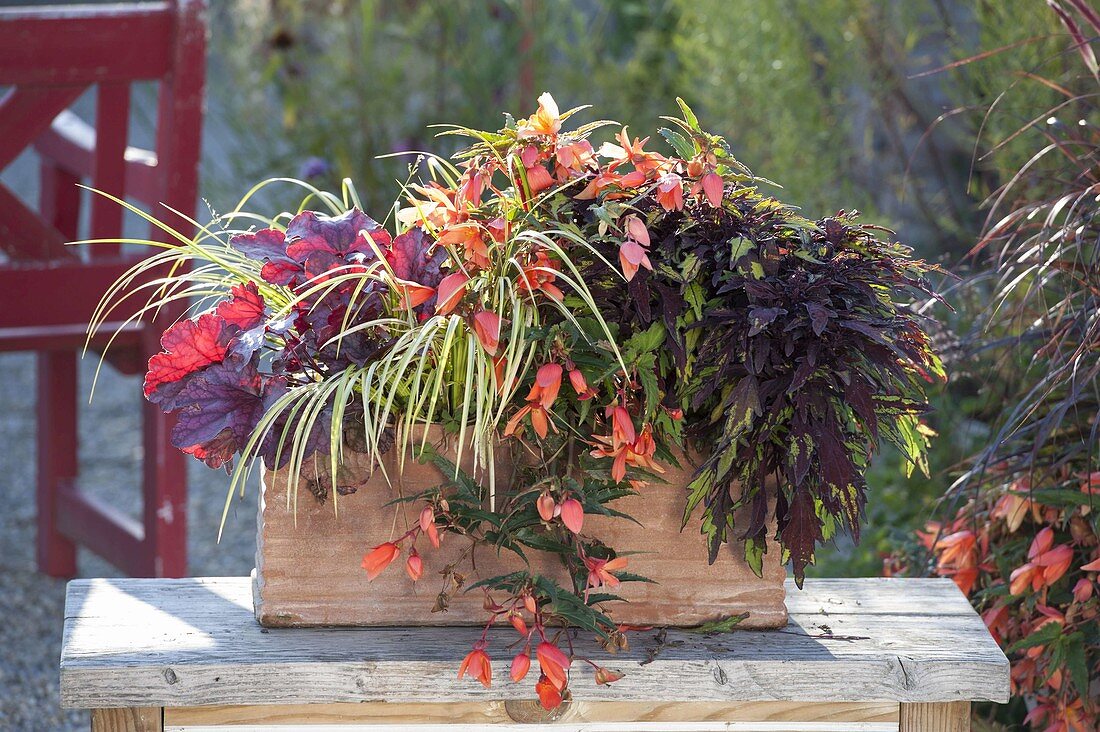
[415, 258]
[219, 409]
[189, 345]
[311, 233]
[216, 452]
[282, 272]
[245, 309]
[269, 244]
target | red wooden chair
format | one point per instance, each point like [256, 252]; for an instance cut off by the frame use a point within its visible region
[50, 56]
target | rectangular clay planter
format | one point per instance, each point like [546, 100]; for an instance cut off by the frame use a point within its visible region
[308, 569]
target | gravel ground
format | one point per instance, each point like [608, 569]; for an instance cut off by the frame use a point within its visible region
[32, 604]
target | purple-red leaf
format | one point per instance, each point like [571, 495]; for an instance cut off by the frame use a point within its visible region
[310, 232]
[265, 244]
[801, 532]
[219, 409]
[415, 258]
[189, 346]
[245, 309]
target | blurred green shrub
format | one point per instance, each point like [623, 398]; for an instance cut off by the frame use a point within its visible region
[814, 95]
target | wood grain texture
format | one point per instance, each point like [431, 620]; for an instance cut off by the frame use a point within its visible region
[135, 642]
[496, 712]
[308, 557]
[133, 719]
[946, 717]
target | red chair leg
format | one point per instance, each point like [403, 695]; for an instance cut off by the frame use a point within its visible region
[57, 457]
[164, 487]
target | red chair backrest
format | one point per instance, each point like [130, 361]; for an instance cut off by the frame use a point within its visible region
[49, 57]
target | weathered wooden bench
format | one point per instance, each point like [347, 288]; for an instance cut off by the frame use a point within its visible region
[858, 655]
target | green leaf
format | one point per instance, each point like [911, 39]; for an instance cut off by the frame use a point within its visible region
[631, 577]
[739, 247]
[1076, 661]
[722, 625]
[647, 375]
[689, 116]
[754, 556]
[512, 580]
[645, 341]
[1043, 636]
[678, 142]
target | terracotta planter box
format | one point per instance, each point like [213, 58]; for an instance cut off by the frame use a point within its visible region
[308, 569]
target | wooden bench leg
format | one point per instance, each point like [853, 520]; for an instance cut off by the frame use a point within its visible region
[133, 719]
[941, 717]
[57, 457]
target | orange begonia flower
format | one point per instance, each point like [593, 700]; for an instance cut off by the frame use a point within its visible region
[549, 695]
[487, 330]
[573, 159]
[547, 385]
[412, 293]
[468, 235]
[520, 665]
[539, 401]
[554, 664]
[645, 163]
[636, 229]
[540, 276]
[379, 558]
[670, 192]
[414, 565]
[638, 452]
[580, 385]
[712, 188]
[632, 256]
[427, 525]
[599, 571]
[547, 506]
[539, 178]
[477, 662]
[450, 291]
[436, 210]
[572, 515]
[545, 121]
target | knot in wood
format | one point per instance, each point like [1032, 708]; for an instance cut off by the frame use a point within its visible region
[526, 711]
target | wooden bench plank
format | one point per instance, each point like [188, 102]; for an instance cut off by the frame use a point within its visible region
[194, 642]
[885, 714]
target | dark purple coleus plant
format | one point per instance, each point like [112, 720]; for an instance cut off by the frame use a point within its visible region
[789, 354]
[221, 371]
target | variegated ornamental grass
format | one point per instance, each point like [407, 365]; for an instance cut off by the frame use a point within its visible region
[597, 309]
